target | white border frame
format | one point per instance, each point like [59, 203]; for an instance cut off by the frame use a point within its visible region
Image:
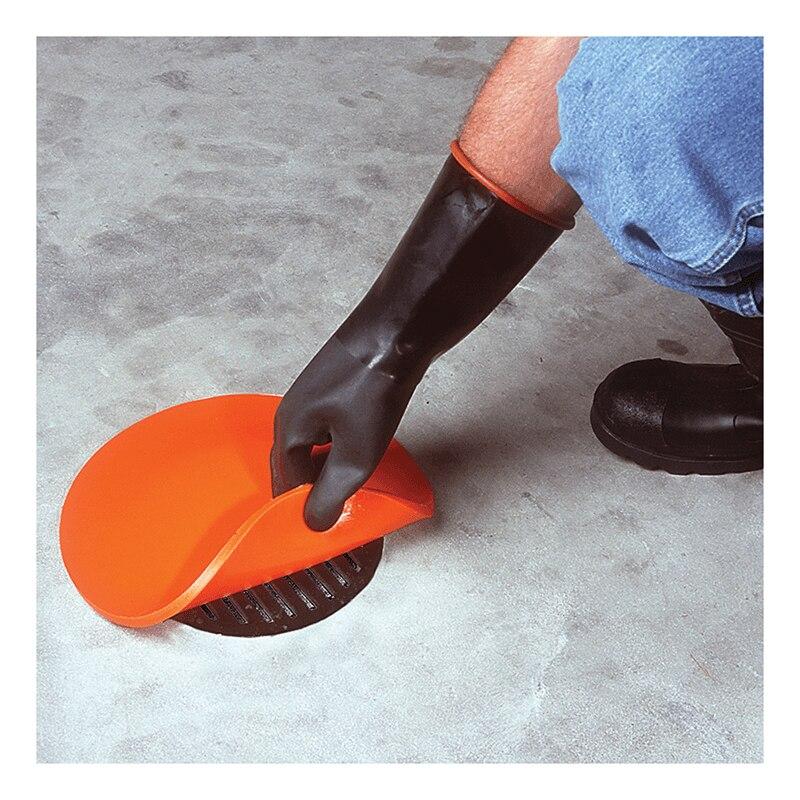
[402, 18]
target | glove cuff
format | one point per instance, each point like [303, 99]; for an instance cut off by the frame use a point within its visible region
[502, 194]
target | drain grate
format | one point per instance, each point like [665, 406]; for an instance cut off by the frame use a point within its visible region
[290, 603]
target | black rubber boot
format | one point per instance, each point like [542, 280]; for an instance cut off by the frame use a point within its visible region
[704, 419]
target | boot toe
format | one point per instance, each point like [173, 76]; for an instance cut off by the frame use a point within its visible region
[631, 401]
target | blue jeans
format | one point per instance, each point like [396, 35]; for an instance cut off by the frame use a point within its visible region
[662, 139]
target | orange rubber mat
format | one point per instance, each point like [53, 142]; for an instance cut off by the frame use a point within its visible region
[177, 510]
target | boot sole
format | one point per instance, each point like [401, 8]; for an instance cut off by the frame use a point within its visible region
[672, 463]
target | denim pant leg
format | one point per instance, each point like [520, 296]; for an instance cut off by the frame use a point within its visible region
[662, 138]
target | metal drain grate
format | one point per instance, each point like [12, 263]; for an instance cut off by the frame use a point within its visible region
[290, 603]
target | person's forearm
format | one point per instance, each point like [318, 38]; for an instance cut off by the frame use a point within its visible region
[493, 211]
[512, 128]
[410, 315]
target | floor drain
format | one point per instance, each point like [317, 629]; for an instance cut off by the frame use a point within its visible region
[289, 603]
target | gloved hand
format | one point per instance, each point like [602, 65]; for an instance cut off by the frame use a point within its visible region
[336, 398]
[466, 249]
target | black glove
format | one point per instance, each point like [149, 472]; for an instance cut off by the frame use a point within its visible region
[338, 398]
[464, 252]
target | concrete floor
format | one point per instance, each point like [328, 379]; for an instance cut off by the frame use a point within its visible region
[209, 211]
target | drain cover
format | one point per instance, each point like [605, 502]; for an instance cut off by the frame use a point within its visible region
[290, 603]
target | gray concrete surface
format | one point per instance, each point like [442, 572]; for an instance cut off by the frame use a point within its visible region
[209, 211]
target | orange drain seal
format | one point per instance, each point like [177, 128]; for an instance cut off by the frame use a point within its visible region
[177, 511]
